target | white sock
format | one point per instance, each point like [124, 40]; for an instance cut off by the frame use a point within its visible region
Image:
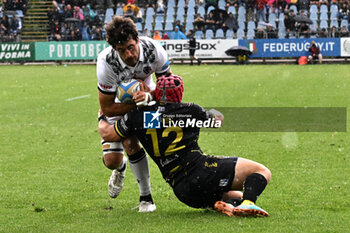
[140, 169]
[122, 165]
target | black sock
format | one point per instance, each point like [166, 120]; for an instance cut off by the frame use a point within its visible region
[147, 198]
[234, 201]
[254, 185]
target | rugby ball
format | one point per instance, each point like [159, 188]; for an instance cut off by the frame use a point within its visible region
[126, 90]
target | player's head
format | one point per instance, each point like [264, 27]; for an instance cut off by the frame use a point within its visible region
[122, 35]
[313, 43]
[169, 88]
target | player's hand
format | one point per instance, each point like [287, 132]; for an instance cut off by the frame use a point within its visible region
[100, 113]
[142, 98]
[143, 86]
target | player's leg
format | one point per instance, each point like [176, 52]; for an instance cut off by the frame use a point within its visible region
[138, 161]
[320, 58]
[114, 159]
[309, 58]
[252, 177]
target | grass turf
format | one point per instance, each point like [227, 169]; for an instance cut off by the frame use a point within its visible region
[52, 178]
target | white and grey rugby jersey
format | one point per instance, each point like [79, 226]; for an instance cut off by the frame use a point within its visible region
[111, 69]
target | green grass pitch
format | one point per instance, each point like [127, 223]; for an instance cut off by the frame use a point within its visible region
[52, 178]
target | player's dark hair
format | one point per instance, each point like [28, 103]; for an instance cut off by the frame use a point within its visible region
[120, 30]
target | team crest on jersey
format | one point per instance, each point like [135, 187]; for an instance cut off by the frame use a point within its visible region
[151, 119]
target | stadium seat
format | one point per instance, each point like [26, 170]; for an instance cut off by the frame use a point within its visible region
[201, 11]
[19, 13]
[324, 16]
[150, 11]
[222, 4]
[324, 9]
[232, 10]
[281, 33]
[333, 15]
[250, 34]
[324, 24]
[158, 26]
[294, 8]
[181, 3]
[272, 17]
[190, 18]
[198, 34]
[139, 26]
[219, 34]
[229, 34]
[119, 11]
[169, 26]
[281, 19]
[159, 18]
[313, 15]
[334, 23]
[108, 15]
[334, 8]
[251, 25]
[241, 25]
[169, 18]
[241, 10]
[313, 9]
[210, 8]
[189, 26]
[240, 34]
[190, 11]
[171, 3]
[344, 22]
[170, 11]
[180, 10]
[313, 27]
[181, 18]
[191, 3]
[149, 25]
[209, 34]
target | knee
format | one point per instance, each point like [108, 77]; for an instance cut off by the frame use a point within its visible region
[265, 172]
[112, 160]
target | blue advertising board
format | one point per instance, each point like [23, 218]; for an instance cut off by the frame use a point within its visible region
[265, 48]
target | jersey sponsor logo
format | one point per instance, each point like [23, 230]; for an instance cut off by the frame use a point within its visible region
[223, 182]
[151, 119]
[104, 86]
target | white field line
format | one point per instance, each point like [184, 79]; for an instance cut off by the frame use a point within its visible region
[78, 97]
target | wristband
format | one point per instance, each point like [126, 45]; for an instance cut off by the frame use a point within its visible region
[102, 117]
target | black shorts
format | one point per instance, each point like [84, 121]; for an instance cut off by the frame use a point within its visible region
[192, 51]
[205, 183]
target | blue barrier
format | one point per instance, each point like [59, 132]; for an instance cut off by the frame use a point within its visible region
[262, 48]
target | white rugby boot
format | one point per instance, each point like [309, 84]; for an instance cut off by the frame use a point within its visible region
[147, 206]
[116, 181]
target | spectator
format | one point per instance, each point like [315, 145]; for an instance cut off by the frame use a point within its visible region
[192, 47]
[88, 12]
[323, 33]
[178, 23]
[304, 5]
[138, 15]
[220, 20]
[5, 25]
[129, 12]
[157, 36]
[230, 23]
[177, 34]
[209, 3]
[16, 26]
[303, 30]
[260, 33]
[231, 3]
[343, 12]
[145, 32]
[77, 13]
[97, 34]
[334, 33]
[68, 12]
[210, 21]
[198, 22]
[160, 7]
[314, 53]
[56, 31]
[344, 32]
[260, 10]
[271, 32]
[165, 36]
[289, 23]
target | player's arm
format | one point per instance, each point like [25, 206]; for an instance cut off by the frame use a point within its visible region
[219, 117]
[110, 108]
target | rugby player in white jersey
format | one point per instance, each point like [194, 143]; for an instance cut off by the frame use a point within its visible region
[128, 56]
